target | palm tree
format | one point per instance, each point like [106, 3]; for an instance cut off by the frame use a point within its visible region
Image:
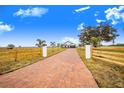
[40, 43]
[52, 44]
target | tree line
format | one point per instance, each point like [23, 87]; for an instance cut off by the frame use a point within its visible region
[40, 43]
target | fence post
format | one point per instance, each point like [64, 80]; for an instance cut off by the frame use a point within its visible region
[44, 51]
[88, 51]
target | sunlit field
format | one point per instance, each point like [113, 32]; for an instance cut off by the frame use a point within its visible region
[12, 59]
[106, 65]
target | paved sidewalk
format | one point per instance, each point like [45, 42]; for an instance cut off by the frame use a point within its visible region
[64, 70]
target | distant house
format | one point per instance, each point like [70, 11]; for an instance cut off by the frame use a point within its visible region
[69, 44]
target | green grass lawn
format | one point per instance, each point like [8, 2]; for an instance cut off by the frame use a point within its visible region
[106, 74]
[12, 59]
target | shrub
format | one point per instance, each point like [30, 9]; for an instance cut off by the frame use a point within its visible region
[10, 46]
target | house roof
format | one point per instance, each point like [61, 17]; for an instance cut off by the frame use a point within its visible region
[69, 43]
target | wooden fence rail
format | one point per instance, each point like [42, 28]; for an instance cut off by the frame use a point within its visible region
[115, 55]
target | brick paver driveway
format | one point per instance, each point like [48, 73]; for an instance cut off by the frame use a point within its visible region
[62, 70]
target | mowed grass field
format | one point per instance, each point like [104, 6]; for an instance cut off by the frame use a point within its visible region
[106, 65]
[12, 59]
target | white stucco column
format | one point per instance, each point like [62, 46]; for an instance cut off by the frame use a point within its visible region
[87, 51]
[44, 50]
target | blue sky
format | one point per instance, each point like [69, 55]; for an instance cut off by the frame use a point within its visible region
[22, 25]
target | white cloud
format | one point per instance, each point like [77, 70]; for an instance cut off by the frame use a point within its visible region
[82, 9]
[99, 20]
[34, 12]
[115, 14]
[96, 13]
[71, 39]
[1, 22]
[5, 27]
[80, 26]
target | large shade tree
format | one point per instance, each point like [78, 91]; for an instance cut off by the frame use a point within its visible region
[96, 34]
[107, 32]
